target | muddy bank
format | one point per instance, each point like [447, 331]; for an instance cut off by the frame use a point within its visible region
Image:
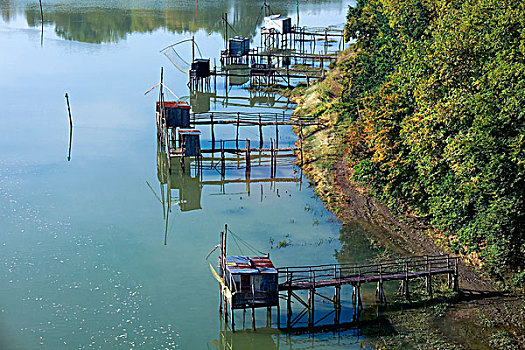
[480, 317]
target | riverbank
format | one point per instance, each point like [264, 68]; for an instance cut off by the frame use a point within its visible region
[481, 316]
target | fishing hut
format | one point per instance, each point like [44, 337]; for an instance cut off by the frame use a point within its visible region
[246, 282]
[252, 282]
[174, 130]
[200, 74]
[237, 51]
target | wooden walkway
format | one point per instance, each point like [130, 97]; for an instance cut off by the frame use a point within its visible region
[313, 278]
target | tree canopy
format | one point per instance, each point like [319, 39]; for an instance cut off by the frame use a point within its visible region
[435, 100]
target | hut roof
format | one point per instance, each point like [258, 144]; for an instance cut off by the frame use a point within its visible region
[249, 264]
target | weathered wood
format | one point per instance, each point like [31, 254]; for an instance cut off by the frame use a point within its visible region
[260, 132]
[69, 112]
[223, 162]
[212, 133]
[276, 133]
[237, 133]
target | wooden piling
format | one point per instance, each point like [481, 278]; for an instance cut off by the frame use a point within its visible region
[311, 303]
[278, 313]
[237, 133]
[271, 159]
[253, 318]
[223, 160]
[276, 133]
[248, 159]
[69, 112]
[41, 13]
[289, 301]
[260, 133]
[212, 133]
[233, 319]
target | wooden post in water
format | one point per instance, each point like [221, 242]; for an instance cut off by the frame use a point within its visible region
[237, 133]
[70, 126]
[221, 267]
[212, 133]
[260, 133]
[248, 162]
[289, 300]
[41, 12]
[276, 133]
[278, 309]
[271, 158]
[232, 312]
[192, 49]
[223, 161]
[69, 112]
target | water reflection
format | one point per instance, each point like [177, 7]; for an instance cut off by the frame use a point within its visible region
[111, 21]
[202, 101]
[274, 339]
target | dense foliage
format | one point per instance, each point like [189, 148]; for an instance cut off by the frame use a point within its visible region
[435, 100]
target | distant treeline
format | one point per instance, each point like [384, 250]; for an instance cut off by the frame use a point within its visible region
[111, 21]
[434, 108]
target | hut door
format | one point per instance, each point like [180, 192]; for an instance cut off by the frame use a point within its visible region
[245, 283]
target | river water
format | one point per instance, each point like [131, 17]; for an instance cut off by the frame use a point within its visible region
[86, 259]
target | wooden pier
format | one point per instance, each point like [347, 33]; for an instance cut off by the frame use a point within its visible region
[314, 279]
[302, 39]
[281, 58]
[318, 281]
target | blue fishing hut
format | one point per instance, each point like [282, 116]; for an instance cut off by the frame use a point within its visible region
[252, 280]
[238, 46]
[247, 282]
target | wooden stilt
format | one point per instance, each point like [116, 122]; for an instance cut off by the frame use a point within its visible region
[233, 319]
[212, 133]
[223, 160]
[278, 313]
[337, 304]
[276, 133]
[237, 133]
[289, 300]
[260, 133]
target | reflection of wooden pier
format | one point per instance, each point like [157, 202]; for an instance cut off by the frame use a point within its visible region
[201, 101]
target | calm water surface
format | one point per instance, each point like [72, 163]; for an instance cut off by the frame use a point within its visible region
[83, 261]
